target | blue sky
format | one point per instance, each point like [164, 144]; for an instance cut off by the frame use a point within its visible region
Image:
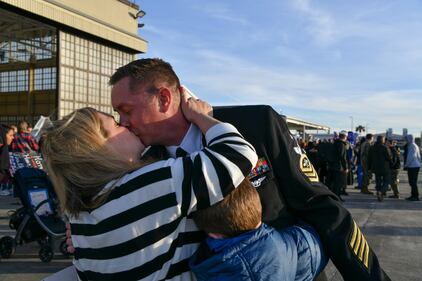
[322, 61]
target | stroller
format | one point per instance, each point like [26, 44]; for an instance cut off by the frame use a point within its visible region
[37, 220]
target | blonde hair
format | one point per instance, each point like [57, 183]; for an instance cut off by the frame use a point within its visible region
[240, 211]
[23, 127]
[78, 161]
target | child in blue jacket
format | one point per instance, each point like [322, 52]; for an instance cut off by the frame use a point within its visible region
[240, 247]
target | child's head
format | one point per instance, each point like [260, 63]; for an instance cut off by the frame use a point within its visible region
[240, 211]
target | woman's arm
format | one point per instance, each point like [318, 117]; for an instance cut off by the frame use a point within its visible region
[198, 112]
[205, 177]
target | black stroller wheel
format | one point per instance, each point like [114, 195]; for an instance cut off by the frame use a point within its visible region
[46, 254]
[63, 249]
[7, 247]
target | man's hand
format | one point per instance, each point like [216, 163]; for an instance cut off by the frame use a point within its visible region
[69, 243]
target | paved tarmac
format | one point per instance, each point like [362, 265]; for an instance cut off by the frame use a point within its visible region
[392, 227]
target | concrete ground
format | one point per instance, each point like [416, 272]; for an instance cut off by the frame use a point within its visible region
[393, 228]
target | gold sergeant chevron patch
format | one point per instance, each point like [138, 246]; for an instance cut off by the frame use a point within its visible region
[307, 168]
[359, 245]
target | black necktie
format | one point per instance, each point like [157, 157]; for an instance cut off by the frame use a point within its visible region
[180, 152]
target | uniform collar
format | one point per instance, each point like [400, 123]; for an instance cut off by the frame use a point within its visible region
[191, 142]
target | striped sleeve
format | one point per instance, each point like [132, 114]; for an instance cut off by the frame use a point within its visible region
[217, 169]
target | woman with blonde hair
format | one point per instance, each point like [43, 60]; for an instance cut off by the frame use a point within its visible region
[129, 217]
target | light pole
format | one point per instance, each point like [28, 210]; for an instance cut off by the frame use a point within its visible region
[351, 123]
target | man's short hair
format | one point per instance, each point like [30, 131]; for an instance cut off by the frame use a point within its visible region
[240, 211]
[369, 136]
[146, 72]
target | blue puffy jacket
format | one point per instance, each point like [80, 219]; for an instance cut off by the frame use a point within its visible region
[293, 253]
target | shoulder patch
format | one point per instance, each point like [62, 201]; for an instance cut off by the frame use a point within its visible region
[258, 181]
[306, 167]
[261, 168]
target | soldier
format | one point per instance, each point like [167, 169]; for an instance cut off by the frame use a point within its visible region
[379, 162]
[146, 94]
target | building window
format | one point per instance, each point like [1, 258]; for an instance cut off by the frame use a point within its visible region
[45, 78]
[14, 81]
[85, 69]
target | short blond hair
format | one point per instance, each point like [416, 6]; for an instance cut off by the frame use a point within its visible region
[23, 126]
[78, 161]
[240, 211]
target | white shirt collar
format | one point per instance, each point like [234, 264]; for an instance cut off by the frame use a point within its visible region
[191, 142]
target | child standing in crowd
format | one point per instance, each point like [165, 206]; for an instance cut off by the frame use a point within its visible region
[23, 141]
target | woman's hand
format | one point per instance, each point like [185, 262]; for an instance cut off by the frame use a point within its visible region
[192, 107]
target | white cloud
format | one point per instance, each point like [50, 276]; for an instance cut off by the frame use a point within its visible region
[221, 11]
[322, 26]
[250, 83]
[227, 79]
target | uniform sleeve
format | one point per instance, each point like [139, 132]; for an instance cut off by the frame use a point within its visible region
[208, 175]
[311, 201]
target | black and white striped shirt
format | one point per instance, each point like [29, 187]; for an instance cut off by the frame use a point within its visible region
[141, 232]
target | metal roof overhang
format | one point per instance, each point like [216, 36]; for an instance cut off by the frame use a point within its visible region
[52, 11]
[300, 125]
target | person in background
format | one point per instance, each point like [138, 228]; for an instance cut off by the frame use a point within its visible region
[23, 141]
[394, 168]
[324, 148]
[312, 153]
[379, 161]
[6, 138]
[338, 166]
[412, 163]
[15, 129]
[358, 163]
[364, 152]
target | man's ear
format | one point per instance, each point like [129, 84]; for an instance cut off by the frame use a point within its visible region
[165, 99]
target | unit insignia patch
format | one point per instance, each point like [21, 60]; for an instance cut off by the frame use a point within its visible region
[307, 168]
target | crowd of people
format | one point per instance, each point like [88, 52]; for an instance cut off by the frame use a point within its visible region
[342, 160]
[13, 139]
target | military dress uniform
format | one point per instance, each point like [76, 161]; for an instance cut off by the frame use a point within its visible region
[289, 189]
